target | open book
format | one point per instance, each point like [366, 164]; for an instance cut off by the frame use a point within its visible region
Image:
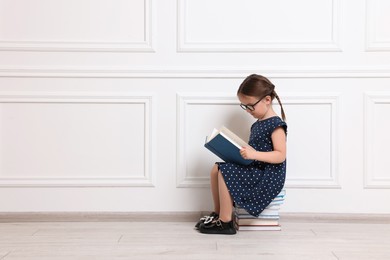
[226, 145]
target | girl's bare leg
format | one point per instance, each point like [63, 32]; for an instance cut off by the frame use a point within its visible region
[225, 200]
[214, 187]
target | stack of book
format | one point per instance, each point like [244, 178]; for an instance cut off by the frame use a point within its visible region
[267, 220]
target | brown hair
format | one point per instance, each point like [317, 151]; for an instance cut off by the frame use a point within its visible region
[259, 86]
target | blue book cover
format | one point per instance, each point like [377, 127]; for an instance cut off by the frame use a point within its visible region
[226, 145]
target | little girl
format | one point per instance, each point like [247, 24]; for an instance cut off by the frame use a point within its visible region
[251, 187]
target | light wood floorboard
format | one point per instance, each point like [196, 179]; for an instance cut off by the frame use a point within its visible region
[178, 240]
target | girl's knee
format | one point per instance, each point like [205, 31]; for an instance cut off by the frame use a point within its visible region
[214, 170]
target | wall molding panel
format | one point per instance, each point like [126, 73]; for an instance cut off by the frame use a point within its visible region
[376, 141]
[327, 104]
[142, 41]
[377, 34]
[102, 101]
[207, 40]
[327, 101]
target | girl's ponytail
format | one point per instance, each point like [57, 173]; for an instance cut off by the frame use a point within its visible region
[281, 106]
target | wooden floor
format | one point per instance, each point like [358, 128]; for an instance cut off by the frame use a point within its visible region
[178, 240]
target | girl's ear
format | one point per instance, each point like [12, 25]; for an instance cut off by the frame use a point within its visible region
[268, 99]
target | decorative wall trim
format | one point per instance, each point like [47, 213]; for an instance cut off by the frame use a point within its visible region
[144, 179]
[178, 216]
[73, 46]
[331, 99]
[373, 41]
[185, 46]
[109, 216]
[183, 101]
[371, 100]
[45, 72]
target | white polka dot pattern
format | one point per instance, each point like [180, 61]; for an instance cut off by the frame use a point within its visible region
[253, 187]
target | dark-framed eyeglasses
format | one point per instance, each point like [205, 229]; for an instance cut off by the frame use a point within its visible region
[250, 107]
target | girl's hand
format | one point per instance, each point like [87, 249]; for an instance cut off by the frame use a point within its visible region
[247, 152]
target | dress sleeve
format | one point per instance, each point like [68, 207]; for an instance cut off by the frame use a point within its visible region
[280, 123]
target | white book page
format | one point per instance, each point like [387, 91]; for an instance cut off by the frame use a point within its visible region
[235, 139]
[213, 134]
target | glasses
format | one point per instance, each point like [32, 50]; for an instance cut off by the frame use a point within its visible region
[250, 107]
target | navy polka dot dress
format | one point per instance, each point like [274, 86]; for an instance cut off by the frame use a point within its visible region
[253, 187]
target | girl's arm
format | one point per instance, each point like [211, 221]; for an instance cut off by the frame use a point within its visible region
[278, 155]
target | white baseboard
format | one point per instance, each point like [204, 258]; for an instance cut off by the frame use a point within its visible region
[98, 216]
[7, 217]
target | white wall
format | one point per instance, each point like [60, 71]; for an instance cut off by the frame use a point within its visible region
[105, 104]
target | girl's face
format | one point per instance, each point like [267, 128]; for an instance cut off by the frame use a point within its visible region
[258, 108]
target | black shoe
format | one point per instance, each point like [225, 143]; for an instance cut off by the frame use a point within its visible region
[207, 219]
[218, 227]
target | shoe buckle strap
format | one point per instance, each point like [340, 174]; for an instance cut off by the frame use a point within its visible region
[209, 219]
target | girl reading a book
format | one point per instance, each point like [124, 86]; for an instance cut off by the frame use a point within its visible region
[252, 186]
